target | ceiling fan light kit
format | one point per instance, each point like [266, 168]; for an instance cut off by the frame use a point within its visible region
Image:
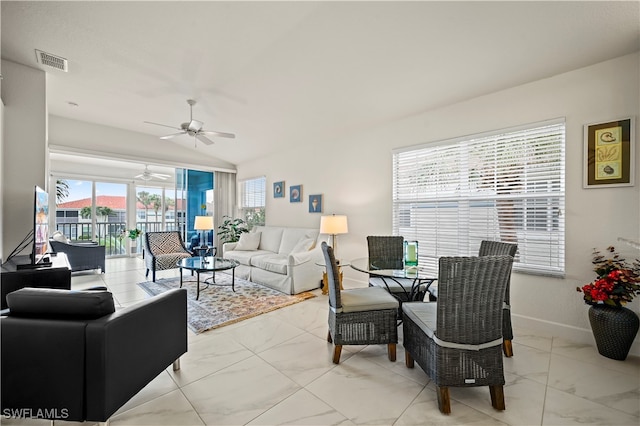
[194, 128]
[149, 175]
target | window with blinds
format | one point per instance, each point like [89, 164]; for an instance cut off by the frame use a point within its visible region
[504, 186]
[252, 193]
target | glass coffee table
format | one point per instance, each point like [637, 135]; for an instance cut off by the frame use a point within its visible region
[207, 264]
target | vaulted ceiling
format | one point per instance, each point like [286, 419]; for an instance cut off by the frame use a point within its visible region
[282, 74]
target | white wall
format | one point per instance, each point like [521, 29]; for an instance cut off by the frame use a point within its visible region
[353, 171]
[24, 150]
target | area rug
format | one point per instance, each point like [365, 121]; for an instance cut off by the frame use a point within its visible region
[218, 305]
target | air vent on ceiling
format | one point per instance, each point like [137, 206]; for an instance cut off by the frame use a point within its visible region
[53, 61]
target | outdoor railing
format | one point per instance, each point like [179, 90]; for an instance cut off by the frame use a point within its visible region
[110, 234]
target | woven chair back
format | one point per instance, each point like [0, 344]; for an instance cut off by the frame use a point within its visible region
[495, 248]
[470, 298]
[386, 252]
[164, 242]
[333, 276]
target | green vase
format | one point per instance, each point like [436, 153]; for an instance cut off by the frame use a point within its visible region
[614, 329]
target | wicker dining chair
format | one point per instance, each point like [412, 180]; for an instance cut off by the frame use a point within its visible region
[494, 248]
[457, 341]
[359, 316]
[387, 252]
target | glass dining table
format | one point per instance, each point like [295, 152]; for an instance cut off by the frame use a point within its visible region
[419, 278]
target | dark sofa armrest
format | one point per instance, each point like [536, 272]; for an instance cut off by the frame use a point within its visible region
[129, 348]
[43, 363]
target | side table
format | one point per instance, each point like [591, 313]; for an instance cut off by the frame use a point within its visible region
[325, 280]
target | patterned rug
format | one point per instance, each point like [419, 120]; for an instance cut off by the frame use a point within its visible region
[218, 305]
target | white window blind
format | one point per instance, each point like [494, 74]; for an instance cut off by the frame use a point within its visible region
[252, 193]
[507, 186]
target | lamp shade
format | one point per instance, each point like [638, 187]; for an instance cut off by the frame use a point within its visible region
[203, 223]
[334, 224]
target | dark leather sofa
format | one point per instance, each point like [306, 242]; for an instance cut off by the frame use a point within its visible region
[67, 355]
[82, 255]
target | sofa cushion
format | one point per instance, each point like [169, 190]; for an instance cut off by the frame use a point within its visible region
[271, 238]
[249, 241]
[244, 257]
[271, 262]
[292, 236]
[305, 244]
[61, 304]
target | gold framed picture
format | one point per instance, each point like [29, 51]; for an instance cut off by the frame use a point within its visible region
[609, 154]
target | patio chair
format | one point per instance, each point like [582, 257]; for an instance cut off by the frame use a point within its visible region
[457, 341]
[360, 316]
[494, 248]
[163, 250]
[387, 252]
[82, 255]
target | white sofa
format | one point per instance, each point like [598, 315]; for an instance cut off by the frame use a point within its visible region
[277, 262]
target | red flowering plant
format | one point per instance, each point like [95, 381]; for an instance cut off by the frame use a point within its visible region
[618, 281]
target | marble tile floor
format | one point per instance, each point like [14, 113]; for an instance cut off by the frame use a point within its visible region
[276, 369]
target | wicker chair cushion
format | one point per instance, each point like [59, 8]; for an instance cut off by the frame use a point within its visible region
[367, 299]
[423, 315]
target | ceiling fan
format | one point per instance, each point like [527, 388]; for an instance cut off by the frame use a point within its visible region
[148, 175]
[194, 128]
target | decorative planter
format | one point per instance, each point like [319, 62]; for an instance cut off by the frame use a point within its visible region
[614, 330]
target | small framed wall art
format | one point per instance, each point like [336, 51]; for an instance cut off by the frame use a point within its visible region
[315, 203]
[609, 154]
[295, 194]
[278, 189]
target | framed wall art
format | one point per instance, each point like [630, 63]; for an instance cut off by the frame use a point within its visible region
[295, 194]
[315, 203]
[278, 189]
[609, 154]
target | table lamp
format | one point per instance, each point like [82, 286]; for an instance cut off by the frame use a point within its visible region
[203, 224]
[334, 225]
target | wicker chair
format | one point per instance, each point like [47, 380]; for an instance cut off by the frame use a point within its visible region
[360, 316]
[163, 250]
[458, 340]
[495, 248]
[387, 252]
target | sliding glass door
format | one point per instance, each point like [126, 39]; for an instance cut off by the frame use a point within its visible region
[92, 211]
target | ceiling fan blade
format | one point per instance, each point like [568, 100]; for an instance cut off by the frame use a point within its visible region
[195, 125]
[202, 138]
[163, 125]
[159, 176]
[220, 134]
[172, 135]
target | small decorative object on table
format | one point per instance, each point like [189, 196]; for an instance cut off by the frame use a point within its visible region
[614, 326]
[410, 253]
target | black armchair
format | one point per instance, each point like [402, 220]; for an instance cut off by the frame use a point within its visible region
[82, 255]
[67, 355]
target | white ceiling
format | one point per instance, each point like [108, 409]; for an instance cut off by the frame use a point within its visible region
[282, 74]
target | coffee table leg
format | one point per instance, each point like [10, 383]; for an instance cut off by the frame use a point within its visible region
[233, 279]
[198, 285]
[180, 277]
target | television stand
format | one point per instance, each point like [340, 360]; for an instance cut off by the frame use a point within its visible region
[44, 263]
[13, 277]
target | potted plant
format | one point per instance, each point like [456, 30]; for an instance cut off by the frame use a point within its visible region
[133, 235]
[617, 283]
[231, 229]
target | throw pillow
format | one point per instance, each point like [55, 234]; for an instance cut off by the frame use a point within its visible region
[249, 241]
[59, 236]
[305, 244]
